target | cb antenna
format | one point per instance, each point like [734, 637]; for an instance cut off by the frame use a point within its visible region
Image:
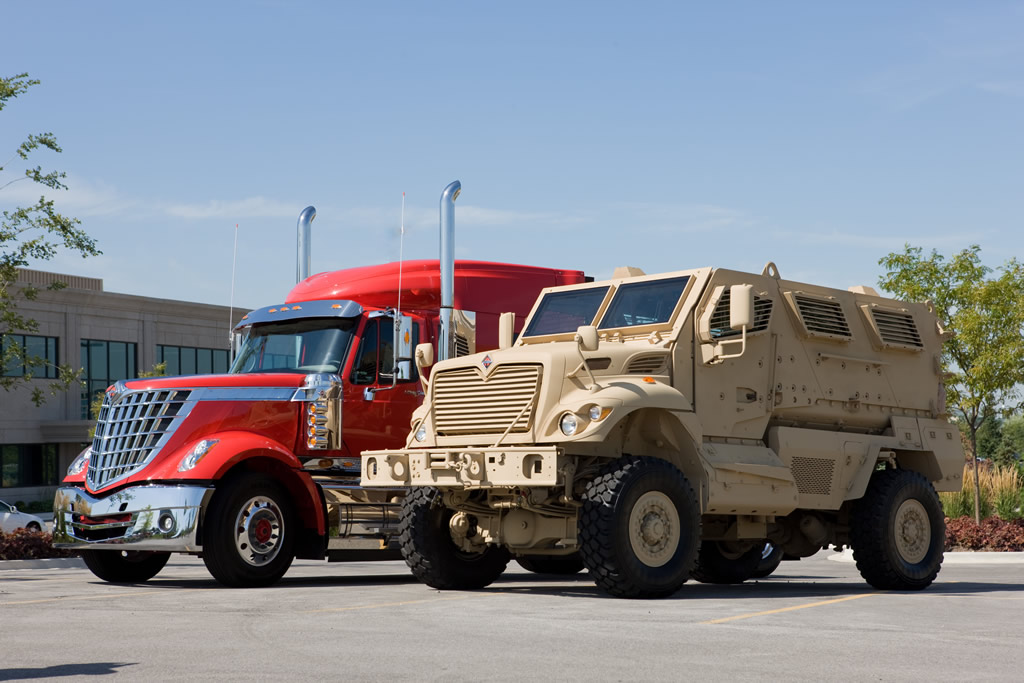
[231, 308]
[398, 310]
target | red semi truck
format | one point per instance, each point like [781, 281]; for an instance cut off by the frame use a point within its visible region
[259, 466]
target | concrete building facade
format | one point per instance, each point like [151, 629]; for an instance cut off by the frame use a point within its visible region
[110, 336]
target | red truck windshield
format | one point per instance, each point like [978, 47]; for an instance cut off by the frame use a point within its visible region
[306, 346]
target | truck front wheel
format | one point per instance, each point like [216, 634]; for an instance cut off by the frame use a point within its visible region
[427, 546]
[125, 566]
[639, 528]
[898, 531]
[250, 532]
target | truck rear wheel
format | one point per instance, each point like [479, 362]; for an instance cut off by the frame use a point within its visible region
[771, 558]
[898, 531]
[722, 562]
[250, 532]
[125, 566]
[639, 528]
[427, 546]
[562, 565]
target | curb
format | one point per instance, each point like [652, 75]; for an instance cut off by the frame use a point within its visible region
[954, 557]
[51, 563]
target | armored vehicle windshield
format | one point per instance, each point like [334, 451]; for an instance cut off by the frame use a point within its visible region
[317, 345]
[644, 303]
[565, 311]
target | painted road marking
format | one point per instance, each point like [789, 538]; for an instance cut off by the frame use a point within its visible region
[78, 597]
[751, 615]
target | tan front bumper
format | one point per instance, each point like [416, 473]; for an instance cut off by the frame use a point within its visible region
[465, 467]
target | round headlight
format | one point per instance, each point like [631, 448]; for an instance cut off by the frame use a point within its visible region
[594, 413]
[421, 434]
[568, 424]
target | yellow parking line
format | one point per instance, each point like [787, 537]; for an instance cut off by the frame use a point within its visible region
[77, 597]
[399, 604]
[789, 609]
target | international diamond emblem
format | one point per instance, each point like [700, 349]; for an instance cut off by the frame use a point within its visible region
[486, 362]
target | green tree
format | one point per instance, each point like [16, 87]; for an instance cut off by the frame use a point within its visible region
[984, 357]
[1011, 447]
[35, 232]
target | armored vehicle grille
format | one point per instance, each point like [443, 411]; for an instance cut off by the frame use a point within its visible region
[813, 475]
[646, 365]
[822, 317]
[897, 328]
[466, 403]
[131, 430]
[719, 324]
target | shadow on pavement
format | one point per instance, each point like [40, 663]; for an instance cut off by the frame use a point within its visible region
[85, 669]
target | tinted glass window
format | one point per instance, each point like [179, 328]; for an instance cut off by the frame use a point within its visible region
[560, 312]
[307, 346]
[644, 303]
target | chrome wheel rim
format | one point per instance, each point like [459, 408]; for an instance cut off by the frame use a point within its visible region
[913, 532]
[259, 530]
[654, 529]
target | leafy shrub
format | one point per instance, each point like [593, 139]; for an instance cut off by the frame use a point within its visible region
[992, 534]
[23, 544]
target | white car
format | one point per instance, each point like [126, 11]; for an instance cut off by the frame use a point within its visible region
[11, 519]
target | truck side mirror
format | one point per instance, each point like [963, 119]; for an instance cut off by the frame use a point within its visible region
[506, 329]
[586, 337]
[403, 348]
[424, 355]
[741, 306]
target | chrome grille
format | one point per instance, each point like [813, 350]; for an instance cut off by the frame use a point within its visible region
[132, 428]
[464, 403]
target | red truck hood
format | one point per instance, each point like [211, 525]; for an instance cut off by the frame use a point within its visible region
[260, 379]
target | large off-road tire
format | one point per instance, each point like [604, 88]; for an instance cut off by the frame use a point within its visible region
[639, 528]
[250, 532]
[898, 531]
[771, 558]
[427, 546]
[125, 566]
[720, 562]
[562, 565]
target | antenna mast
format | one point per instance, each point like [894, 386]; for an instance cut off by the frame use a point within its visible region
[231, 308]
[398, 309]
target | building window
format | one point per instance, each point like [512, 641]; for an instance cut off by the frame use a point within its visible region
[40, 349]
[103, 363]
[188, 360]
[28, 465]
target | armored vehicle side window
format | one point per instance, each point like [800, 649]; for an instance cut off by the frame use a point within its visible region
[561, 312]
[644, 303]
[719, 323]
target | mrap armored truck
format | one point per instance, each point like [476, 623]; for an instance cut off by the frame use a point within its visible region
[661, 427]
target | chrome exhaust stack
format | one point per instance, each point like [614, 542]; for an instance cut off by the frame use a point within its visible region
[303, 243]
[446, 336]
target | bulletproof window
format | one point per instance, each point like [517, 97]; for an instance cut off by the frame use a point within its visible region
[651, 302]
[561, 312]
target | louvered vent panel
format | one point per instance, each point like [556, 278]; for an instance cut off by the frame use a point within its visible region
[465, 404]
[823, 317]
[461, 346]
[129, 432]
[647, 365]
[719, 324]
[813, 475]
[897, 328]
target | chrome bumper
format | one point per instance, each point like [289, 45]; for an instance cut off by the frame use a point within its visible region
[142, 517]
[464, 467]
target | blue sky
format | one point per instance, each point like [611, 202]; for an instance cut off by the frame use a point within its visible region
[589, 135]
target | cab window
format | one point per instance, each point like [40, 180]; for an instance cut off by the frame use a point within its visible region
[375, 361]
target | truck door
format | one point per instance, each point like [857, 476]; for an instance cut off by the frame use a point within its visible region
[377, 408]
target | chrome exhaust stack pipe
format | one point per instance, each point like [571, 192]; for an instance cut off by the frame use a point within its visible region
[303, 243]
[446, 336]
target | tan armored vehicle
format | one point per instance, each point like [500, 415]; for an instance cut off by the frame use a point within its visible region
[657, 428]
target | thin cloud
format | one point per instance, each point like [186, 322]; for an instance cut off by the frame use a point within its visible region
[250, 207]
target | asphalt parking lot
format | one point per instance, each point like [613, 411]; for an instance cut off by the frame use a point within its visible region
[813, 620]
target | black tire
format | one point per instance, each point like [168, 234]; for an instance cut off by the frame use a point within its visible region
[771, 558]
[250, 532]
[561, 565]
[427, 546]
[898, 531]
[639, 528]
[717, 562]
[34, 527]
[131, 566]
